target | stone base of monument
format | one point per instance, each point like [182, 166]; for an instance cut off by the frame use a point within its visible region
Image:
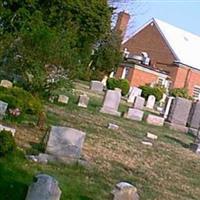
[177, 127]
[134, 114]
[110, 111]
[195, 147]
[192, 131]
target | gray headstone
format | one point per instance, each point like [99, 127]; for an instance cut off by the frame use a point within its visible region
[96, 86]
[134, 92]
[135, 114]
[3, 108]
[151, 101]
[65, 142]
[179, 111]
[194, 116]
[111, 102]
[125, 191]
[139, 103]
[155, 120]
[83, 101]
[44, 188]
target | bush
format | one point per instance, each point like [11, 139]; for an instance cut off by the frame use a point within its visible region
[22, 99]
[179, 92]
[157, 91]
[123, 84]
[7, 143]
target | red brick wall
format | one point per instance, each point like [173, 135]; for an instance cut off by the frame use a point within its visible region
[141, 78]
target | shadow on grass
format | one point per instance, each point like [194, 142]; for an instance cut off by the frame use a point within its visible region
[183, 144]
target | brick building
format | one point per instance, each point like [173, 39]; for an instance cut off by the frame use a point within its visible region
[161, 53]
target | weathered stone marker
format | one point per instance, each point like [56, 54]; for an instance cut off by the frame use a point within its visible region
[139, 103]
[65, 142]
[155, 120]
[125, 191]
[167, 106]
[178, 114]
[12, 130]
[6, 84]
[134, 93]
[113, 126]
[151, 102]
[111, 102]
[44, 188]
[3, 108]
[96, 86]
[63, 99]
[83, 101]
[134, 114]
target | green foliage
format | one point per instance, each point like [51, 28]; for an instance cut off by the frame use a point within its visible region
[37, 33]
[7, 143]
[20, 98]
[157, 91]
[123, 84]
[179, 92]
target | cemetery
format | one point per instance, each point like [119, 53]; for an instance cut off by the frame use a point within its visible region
[102, 140]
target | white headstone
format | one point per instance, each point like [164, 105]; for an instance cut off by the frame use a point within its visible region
[6, 84]
[83, 101]
[151, 101]
[134, 114]
[167, 106]
[155, 120]
[12, 130]
[104, 80]
[134, 93]
[63, 99]
[96, 86]
[139, 103]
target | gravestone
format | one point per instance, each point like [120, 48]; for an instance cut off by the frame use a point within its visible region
[155, 120]
[3, 108]
[139, 103]
[167, 106]
[152, 136]
[134, 93]
[104, 80]
[134, 114]
[6, 84]
[83, 101]
[111, 102]
[194, 116]
[113, 126]
[151, 101]
[63, 99]
[65, 142]
[96, 86]
[125, 191]
[12, 130]
[179, 111]
[44, 188]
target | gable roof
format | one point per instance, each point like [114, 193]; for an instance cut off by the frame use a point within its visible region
[184, 45]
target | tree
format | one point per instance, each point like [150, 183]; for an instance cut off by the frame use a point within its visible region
[35, 33]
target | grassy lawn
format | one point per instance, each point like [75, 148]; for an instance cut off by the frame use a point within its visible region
[166, 171]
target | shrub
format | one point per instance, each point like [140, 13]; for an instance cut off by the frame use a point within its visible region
[156, 91]
[22, 99]
[7, 143]
[179, 92]
[123, 84]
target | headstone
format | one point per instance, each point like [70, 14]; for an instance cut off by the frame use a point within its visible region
[167, 106]
[155, 120]
[3, 108]
[104, 81]
[147, 143]
[83, 101]
[113, 126]
[152, 136]
[65, 142]
[194, 116]
[96, 86]
[179, 111]
[125, 191]
[6, 84]
[134, 93]
[44, 188]
[111, 102]
[151, 101]
[134, 114]
[63, 99]
[139, 103]
[12, 130]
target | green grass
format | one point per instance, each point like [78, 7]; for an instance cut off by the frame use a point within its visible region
[167, 171]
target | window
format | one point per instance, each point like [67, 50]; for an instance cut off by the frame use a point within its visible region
[196, 92]
[161, 81]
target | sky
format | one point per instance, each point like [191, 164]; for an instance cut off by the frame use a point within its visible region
[184, 14]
